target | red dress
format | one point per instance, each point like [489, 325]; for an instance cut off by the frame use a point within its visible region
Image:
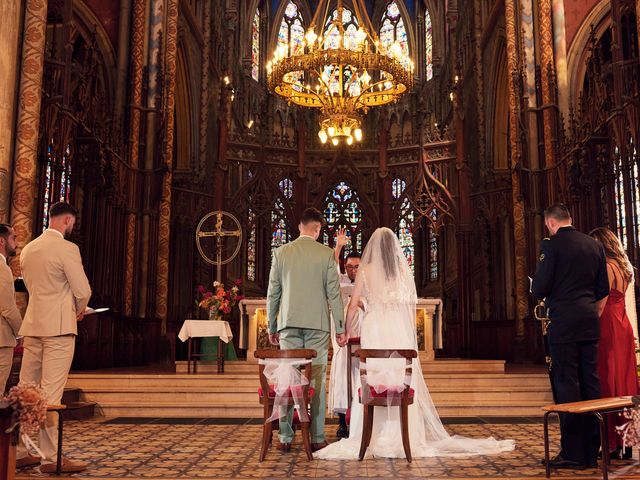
[616, 358]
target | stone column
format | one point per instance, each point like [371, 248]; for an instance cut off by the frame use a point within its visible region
[137, 64]
[23, 201]
[164, 223]
[517, 201]
[547, 79]
[9, 34]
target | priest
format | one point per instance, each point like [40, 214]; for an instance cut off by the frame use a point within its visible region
[338, 384]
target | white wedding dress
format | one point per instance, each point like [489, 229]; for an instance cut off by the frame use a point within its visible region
[387, 284]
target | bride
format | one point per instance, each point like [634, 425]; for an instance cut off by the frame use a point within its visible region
[386, 282]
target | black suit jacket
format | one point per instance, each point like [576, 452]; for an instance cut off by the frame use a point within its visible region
[571, 277]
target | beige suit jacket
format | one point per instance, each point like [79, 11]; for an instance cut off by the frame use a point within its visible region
[10, 318]
[58, 287]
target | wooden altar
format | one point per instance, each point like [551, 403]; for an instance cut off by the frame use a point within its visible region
[254, 334]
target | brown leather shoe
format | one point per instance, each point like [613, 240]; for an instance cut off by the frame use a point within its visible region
[284, 447]
[317, 446]
[68, 466]
[27, 461]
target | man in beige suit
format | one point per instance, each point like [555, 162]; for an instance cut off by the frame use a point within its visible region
[58, 294]
[10, 318]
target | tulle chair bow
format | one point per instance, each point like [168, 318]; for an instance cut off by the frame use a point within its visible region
[284, 383]
[385, 383]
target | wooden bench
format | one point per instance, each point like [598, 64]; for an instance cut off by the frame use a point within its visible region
[598, 408]
[7, 446]
[59, 409]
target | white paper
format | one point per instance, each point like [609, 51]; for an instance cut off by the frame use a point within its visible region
[91, 311]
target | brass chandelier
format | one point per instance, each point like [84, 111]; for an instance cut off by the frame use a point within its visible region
[342, 75]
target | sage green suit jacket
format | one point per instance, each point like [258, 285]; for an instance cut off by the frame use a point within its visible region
[303, 283]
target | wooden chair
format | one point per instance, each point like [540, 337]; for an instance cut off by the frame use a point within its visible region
[369, 398]
[351, 344]
[266, 394]
[598, 408]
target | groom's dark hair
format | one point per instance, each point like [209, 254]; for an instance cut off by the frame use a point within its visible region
[312, 215]
[353, 255]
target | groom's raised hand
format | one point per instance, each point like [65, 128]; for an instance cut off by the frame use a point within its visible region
[341, 339]
[274, 339]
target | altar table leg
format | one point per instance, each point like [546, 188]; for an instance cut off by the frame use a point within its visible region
[189, 355]
[220, 355]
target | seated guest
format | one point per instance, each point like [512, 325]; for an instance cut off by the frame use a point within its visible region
[10, 318]
[617, 366]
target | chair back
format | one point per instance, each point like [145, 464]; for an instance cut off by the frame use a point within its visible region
[364, 353]
[265, 354]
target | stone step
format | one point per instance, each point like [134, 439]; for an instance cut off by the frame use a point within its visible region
[90, 382]
[239, 410]
[470, 397]
[435, 366]
[79, 410]
[71, 395]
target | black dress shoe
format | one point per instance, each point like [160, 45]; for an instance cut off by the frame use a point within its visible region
[284, 447]
[560, 462]
[343, 431]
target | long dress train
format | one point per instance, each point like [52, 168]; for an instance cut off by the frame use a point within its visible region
[389, 323]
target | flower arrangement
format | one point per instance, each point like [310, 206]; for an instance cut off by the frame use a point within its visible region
[29, 407]
[630, 431]
[221, 300]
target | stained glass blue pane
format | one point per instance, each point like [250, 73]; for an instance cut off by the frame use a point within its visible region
[353, 213]
[331, 213]
[342, 192]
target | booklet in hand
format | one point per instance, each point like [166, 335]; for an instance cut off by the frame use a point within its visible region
[91, 311]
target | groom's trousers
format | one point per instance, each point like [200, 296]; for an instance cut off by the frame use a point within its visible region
[294, 338]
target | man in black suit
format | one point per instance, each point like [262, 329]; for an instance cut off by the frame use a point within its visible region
[572, 279]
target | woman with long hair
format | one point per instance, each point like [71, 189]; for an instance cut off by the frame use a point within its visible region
[617, 366]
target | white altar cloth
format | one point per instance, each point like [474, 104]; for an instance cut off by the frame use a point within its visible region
[205, 328]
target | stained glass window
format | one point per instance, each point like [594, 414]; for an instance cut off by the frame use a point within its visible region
[57, 180]
[620, 198]
[433, 255]
[251, 245]
[255, 46]
[428, 44]
[392, 31]
[281, 233]
[405, 222]
[343, 210]
[291, 34]
[434, 271]
[330, 73]
[286, 187]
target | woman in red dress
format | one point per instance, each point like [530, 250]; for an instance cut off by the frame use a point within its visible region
[617, 367]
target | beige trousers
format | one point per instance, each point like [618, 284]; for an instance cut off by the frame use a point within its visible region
[6, 361]
[46, 362]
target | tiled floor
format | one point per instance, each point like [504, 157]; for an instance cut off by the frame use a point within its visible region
[213, 448]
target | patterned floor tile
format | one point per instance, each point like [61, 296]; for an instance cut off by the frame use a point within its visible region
[206, 450]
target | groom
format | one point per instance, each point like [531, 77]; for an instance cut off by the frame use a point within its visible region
[302, 284]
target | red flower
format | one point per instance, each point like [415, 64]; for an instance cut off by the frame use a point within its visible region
[201, 289]
[238, 282]
[207, 295]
